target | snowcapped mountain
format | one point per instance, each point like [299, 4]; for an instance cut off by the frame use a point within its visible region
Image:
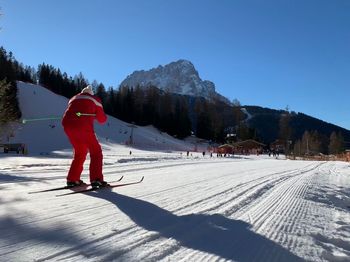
[178, 77]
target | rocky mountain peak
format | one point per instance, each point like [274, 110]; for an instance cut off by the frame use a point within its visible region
[179, 77]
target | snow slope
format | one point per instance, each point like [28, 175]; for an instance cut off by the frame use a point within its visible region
[43, 137]
[186, 209]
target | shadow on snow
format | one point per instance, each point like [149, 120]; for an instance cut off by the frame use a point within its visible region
[17, 234]
[214, 234]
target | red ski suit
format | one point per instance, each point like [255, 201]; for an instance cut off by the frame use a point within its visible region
[80, 131]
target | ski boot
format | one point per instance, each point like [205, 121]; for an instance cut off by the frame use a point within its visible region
[75, 183]
[99, 184]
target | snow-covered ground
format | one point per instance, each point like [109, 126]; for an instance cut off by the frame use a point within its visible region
[188, 208]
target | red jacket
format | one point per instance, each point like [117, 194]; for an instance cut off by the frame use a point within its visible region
[83, 103]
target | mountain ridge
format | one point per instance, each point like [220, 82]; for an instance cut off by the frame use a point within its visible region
[266, 121]
[179, 77]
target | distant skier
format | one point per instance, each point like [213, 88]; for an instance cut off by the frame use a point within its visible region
[78, 124]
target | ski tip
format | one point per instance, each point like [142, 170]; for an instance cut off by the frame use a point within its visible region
[142, 178]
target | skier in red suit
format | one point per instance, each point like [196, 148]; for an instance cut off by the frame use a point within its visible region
[78, 124]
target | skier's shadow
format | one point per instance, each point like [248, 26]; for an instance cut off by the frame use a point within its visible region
[215, 234]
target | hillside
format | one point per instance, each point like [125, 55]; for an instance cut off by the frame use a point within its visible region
[266, 123]
[45, 136]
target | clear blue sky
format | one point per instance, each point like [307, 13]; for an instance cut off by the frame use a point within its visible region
[270, 53]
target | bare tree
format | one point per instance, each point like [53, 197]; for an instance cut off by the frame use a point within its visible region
[336, 143]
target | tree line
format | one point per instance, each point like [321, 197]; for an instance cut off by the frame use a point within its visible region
[10, 71]
[311, 142]
[177, 115]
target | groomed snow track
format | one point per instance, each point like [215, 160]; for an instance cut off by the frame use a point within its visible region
[185, 210]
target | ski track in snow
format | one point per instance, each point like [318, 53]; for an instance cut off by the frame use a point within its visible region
[187, 209]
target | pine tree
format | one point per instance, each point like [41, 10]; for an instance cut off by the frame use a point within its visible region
[6, 65]
[9, 109]
[237, 112]
[245, 133]
[129, 105]
[182, 120]
[110, 101]
[166, 114]
[139, 100]
[100, 91]
[80, 82]
[204, 126]
[151, 106]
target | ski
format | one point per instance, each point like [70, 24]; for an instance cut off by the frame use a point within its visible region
[68, 187]
[91, 189]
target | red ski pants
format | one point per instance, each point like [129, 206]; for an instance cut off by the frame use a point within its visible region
[84, 142]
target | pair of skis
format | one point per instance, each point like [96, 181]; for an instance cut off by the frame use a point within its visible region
[87, 187]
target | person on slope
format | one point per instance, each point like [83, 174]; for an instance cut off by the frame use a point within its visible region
[78, 124]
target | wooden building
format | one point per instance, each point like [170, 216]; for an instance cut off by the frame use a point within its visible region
[247, 147]
[278, 146]
[225, 149]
